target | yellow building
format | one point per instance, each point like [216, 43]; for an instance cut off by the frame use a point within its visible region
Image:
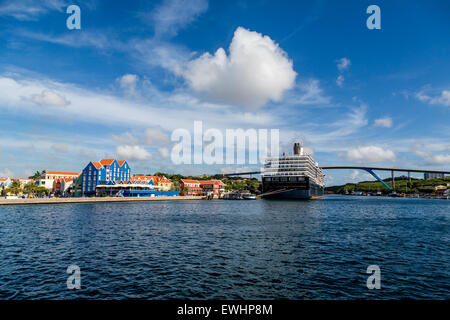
[160, 182]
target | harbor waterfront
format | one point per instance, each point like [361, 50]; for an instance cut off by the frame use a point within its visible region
[93, 199]
[262, 249]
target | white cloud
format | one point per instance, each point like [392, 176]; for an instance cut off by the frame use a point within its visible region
[29, 9]
[88, 38]
[60, 147]
[310, 93]
[442, 99]
[125, 138]
[164, 152]
[133, 153]
[359, 175]
[343, 64]
[255, 71]
[6, 173]
[340, 80]
[128, 83]
[155, 136]
[88, 153]
[49, 98]
[429, 157]
[353, 122]
[354, 175]
[170, 110]
[173, 15]
[384, 122]
[368, 154]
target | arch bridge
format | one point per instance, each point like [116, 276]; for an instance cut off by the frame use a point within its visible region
[367, 169]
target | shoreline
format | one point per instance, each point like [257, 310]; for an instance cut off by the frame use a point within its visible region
[93, 200]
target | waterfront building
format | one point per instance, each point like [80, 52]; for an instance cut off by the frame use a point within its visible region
[202, 187]
[213, 188]
[62, 185]
[49, 179]
[103, 172]
[191, 187]
[5, 182]
[23, 181]
[160, 182]
[143, 187]
[430, 176]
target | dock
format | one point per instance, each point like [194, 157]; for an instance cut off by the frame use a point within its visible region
[94, 200]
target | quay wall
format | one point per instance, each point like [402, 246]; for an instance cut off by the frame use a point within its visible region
[91, 200]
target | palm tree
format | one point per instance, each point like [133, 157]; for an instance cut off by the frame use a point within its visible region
[30, 188]
[15, 188]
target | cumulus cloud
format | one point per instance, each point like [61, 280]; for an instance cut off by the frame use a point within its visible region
[343, 64]
[442, 99]
[128, 83]
[383, 122]
[429, 157]
[368, 154]
[90, 106]
[49, 98]
[133, 153]
[255, 71]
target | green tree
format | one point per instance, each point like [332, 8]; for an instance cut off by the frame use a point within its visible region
[15, 188]
[41, 191]
[37, 175]
[30, 188]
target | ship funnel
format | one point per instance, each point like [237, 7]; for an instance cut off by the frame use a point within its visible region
[298, 149]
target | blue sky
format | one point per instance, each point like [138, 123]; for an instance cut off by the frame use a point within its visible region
[138, 70]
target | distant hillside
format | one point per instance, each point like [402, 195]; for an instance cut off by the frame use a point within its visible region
[401, 185]
[232, 183]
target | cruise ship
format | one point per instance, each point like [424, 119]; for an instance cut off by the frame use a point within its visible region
[295, 176]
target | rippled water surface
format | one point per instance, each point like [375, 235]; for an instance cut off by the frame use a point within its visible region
[260, 249]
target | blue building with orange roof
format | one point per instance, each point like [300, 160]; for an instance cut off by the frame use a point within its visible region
[104, 171]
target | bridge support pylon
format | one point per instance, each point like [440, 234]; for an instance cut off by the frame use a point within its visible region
[378, 178]
[393, 180]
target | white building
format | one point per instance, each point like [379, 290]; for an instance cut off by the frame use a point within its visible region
[49, 179]
[5, 182]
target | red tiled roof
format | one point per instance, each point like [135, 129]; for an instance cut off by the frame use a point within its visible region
[61, 173]
[143, 177]
[96, 164]
[106, 162]
[4, 179]
[215, 182]
[189, 181]
[121, 162]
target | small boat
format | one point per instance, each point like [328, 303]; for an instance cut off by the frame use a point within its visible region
[249, 197]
